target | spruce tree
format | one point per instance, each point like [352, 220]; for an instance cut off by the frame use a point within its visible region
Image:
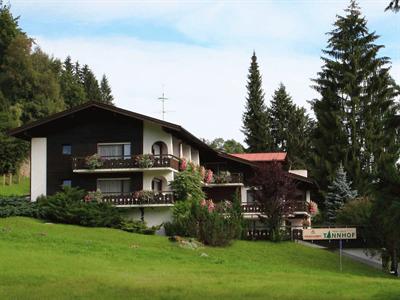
[356, 96]
[90, 84]
[105, 90]
[339, 192]
[289, 128]
[255, 121]
[72, 90]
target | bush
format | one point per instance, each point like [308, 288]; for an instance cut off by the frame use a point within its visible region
[355, 212]
[68, 207]
[183, 224]
[17, 206]
[137, 226]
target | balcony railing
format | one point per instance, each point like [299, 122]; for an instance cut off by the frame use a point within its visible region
[128, 162]
[299, 206]
[226, 178]
[141, 199]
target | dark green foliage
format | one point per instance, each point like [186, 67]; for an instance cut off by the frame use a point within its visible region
[255, 121]
[34, 85]
[90, 84]
[105, 91]
[183, 224]
[68, 207]
[227, 146]
[356, 97]
[187, 185]
[17, 206]
[356, 212]
[138, 226]
[290, 128]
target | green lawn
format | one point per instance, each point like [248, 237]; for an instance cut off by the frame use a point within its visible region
[48, 261]
[18, 189]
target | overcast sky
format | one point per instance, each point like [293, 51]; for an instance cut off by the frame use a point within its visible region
[199, 51]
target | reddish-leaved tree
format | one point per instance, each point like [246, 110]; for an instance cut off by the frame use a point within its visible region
[275, 191]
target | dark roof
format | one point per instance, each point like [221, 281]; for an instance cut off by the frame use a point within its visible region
[21, 131]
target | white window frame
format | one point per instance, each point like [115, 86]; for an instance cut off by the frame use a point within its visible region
[124, 156]
[112, 179]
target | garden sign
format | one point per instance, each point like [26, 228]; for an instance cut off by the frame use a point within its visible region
[330, 234]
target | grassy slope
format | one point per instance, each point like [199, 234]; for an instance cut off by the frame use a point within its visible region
[18, 189]
[44, 261]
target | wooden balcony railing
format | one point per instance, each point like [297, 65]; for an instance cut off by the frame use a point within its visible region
[142, 198]
[227, 178]
[128, 162]
[299, 206]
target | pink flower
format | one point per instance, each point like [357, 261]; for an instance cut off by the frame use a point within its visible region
[210, 205]
[183, 165]
[313, 208]
[208, 177]
[202, 171]
[203, 202]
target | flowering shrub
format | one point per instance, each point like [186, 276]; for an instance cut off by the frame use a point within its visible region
[313, 208]
[183, 165]
[145, 160]
[96, 196]
[209, 204]
[146, 196]
[202, 172]
[93, 161]
[222, 177]
[208, 176]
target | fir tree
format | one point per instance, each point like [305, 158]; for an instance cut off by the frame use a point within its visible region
[356, 96]
[105, 90]
[255, 122]
[339, 192]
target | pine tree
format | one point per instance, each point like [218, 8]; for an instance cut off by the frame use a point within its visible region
[356, 96]
[90, 84]
[255, 122]
[339, 192]
[105, 90]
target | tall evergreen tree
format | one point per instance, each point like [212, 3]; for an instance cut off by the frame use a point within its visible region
[105, 90]
[339, 192]
[289, 128]
[90, 84]
[72, 90]
[356, 96]
[255, 122]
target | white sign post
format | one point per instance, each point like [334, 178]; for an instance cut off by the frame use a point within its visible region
[331, 234]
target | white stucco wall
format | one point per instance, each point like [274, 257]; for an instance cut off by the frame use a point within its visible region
[152, 216]
[149, 175]
[186, 152]
[154, 133]
[38, 167]
[303, 173]
[176, 147]
[195, 155]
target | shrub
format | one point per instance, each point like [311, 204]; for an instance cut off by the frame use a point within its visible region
[17, 206]
[183, 224]
[94, 161]
[356, 212]
[145, 160]
[137, 226]
[187, 185]
[68, 207]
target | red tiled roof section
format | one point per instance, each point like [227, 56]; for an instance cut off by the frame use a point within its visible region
[266, 156]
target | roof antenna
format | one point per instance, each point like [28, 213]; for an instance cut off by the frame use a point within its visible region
[163, 99]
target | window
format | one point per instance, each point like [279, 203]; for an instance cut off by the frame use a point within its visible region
[66, 149]
[250, 196]
[156, 185]
[114, 151]
[114, 186]
[67, 182]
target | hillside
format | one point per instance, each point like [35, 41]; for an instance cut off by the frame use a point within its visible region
[48, 261]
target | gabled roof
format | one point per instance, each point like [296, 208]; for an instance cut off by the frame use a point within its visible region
[23, 131]
[262, 157]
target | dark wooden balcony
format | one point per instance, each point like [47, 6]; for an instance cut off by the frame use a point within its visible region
[127, 163]
[141, 199]
[298, 207]
[223, 179]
